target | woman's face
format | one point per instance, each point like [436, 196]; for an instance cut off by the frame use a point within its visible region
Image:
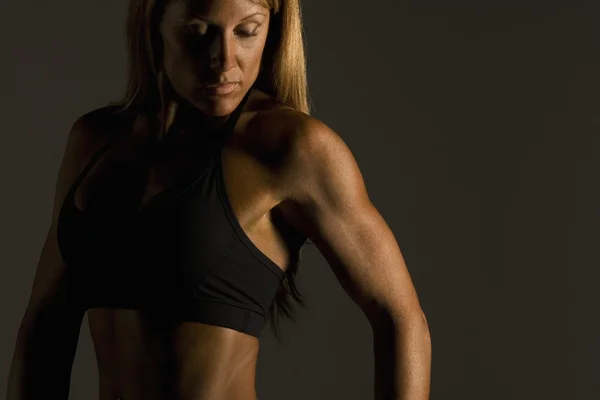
[208, 42]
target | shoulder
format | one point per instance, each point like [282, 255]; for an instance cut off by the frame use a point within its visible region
[279, 125]
[93, 128]
[99, 122]
[87, 134]
[307, 157]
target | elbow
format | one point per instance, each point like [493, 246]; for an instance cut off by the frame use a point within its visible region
[423, 321]
[417, 322]
[25, 331]
[414, 320]
[49, 328]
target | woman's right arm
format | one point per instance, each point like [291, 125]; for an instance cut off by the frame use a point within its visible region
[47, 337]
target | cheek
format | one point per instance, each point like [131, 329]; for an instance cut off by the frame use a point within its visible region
[179, 67]
[249, 61]
[249, 58]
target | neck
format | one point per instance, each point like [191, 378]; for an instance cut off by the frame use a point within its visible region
[199, 119]
[188, 116]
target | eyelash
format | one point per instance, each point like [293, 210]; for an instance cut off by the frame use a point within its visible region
[248, 34]
[243, 34]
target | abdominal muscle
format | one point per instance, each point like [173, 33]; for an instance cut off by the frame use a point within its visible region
[138, 359]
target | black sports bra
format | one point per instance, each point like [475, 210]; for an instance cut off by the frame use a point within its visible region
[184, 256]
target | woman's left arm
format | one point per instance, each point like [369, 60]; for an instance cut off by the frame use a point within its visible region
[325, 188]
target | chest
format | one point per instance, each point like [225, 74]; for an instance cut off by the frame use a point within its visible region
[133, 177]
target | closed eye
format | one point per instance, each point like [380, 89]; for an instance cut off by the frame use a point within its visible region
[201, 30]
[247, 34]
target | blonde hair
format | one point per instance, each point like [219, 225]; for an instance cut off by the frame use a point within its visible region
[283, 76]
[283, 73]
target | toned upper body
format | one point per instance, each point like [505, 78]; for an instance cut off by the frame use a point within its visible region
[136, 359]
[286, 176]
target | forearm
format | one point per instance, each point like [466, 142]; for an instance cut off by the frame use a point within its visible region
[402, 353]
[16, 375]
[39, 369]
[43, 357]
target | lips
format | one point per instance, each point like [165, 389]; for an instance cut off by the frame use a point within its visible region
[222, 89]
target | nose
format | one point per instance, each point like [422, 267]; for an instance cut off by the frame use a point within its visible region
[222, 53]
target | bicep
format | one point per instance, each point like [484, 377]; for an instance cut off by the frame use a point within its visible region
[330, 199]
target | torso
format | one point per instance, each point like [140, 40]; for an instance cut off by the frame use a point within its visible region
[194, 360]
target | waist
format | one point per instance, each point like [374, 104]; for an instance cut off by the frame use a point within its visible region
[139, 357]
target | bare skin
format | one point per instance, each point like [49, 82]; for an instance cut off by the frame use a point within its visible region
[203, 43]
[284, 173]
[135, 359]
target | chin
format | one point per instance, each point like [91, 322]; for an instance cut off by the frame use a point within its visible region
[217, 106]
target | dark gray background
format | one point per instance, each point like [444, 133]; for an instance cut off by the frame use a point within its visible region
[476, 127]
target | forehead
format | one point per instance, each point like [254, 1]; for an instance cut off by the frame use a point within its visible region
[217, 11]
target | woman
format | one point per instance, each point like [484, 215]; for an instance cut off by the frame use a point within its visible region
[180, 213]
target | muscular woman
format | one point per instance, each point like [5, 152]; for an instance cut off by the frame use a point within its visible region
[180, 213]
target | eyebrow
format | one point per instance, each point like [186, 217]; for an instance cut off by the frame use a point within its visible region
[252, 15]
[243, 19]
